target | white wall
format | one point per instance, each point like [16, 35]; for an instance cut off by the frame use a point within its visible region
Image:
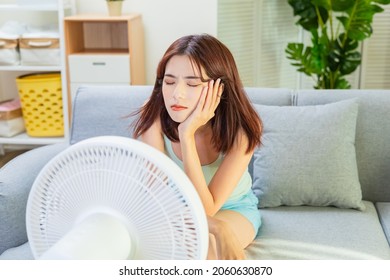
[164, 21]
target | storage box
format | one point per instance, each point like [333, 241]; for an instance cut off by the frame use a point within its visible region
[11, 120]
[42, 107]
[40, 49]
[9, 54]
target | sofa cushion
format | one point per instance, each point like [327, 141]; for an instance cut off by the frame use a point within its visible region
[383, 209]
[308, 156]
[310, 232]
[372, 136]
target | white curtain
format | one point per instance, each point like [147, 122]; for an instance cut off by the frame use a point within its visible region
[375, 70]
[257, 32]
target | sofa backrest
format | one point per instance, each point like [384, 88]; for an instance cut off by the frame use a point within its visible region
[105, 110]
[372, 135]
[270, 96]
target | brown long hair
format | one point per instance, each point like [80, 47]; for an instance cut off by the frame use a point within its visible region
[234, 113]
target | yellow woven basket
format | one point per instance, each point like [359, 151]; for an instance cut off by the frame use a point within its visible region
[41, 102]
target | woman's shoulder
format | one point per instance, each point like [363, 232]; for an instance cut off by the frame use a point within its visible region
[154, 135]
[241, 138]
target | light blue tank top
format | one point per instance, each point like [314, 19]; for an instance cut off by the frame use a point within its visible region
[243, 186]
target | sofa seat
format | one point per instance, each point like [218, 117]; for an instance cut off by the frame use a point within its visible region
[305, 232]
[22, 252]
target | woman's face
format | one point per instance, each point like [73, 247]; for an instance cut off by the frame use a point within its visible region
[182, 87]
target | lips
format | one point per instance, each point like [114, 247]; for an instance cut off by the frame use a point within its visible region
[178, 107]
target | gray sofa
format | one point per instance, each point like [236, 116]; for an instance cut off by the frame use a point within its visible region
[322, 174]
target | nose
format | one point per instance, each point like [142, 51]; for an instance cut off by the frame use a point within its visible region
[179, 91]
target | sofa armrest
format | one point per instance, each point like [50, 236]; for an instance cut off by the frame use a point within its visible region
[383, 209]
[16, 179]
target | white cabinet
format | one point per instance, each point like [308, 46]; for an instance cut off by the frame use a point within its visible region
[34, 13]
[102, 68]
[95, 69]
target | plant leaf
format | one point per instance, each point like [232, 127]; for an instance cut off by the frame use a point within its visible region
[301, 57]
[358, 19]
[344, 56]
[307, 13]
[319, 51]
[383, 2]
[334, 5]
[342, 83]
[350, 62]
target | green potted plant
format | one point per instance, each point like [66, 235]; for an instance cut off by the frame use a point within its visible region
[114, 7]
[337, 28]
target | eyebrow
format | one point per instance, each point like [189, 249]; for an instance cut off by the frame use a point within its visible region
[186, 77]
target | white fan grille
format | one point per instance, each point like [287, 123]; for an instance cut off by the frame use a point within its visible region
[154, 197]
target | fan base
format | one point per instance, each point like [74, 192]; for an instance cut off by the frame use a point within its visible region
[99, 236]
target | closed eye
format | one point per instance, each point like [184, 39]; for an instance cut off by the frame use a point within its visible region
[169, 82]
[193, 85]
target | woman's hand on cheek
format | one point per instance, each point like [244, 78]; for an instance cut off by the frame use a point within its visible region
[205, 109]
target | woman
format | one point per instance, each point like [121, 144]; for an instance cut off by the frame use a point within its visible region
[199, 115]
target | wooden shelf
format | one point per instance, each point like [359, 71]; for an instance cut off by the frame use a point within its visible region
[102, 18]
[24, 139]
[50, 13]
[84, 35]
[30, 68]
[94, 35]
[51, 7]
[18, 7]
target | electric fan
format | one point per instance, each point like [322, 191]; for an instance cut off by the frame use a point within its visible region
[113, 197]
